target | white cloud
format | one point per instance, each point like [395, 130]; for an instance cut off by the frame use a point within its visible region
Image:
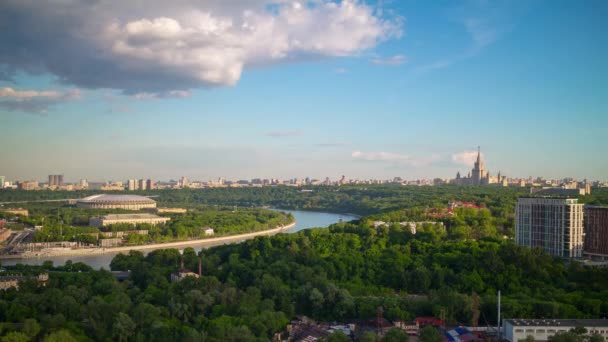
[394, 158]
[158, 46]
[465, 158]
[34, 101]
[340, 71]
[481, 31]
[392, 60]
[283, 134]
[165, 94]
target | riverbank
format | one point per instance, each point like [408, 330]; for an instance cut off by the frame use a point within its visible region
[188, 243]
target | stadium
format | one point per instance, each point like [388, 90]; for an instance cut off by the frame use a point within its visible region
[128, 202]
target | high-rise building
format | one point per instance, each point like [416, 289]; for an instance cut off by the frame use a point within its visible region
[55, 180]
[596, 232]
[132, 185]
[554, 224]
[27, 185]
[2, 180]
[142, 184]
[184, 182]
[479, 172]
[149, 184]
[479, 175]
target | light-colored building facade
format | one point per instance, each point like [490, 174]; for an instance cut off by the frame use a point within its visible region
[2, 180]
[172, 210]
[124, 233]
[16, 211]
[128, 219]
[5, 234]
[132, 184]
[479, 175]
[516, 330]
[596, 232]
[113, 242]
[8, 282]
[554, 224]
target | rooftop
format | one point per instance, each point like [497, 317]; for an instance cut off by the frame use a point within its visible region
[559, 322]
[116, 198]
[130, 216]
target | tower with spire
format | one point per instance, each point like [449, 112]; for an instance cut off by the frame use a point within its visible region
[478, 175]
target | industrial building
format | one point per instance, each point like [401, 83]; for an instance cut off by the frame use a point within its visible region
[128, 219]
[129, 202]
[554, 224]
[596, 232]
[516, 330]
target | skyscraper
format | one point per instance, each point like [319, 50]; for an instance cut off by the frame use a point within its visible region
[478, 173]
[554, 224]
[132, 184]
[142, 184]
[55, 180]
[596, 232]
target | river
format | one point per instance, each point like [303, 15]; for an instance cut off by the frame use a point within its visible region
[304, 219]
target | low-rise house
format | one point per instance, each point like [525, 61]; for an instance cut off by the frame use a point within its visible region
[127, 219]
[172, 210]
[113, 242]
[5, 234]
[17, 211]
[410, 327]
[7, 282]
[123, 233]
[182, 274]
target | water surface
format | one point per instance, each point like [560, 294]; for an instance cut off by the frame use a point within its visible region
[304, 219]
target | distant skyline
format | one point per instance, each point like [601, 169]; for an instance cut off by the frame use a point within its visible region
[280, 89]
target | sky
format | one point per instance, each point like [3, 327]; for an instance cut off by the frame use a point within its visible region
[281, 89]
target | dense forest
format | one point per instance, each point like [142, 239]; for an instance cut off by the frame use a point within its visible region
[251, 290]
[357, 199]
[61, 222]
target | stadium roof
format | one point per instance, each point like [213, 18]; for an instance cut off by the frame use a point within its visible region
[116, 198]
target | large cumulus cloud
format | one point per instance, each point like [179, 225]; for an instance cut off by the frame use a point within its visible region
[156, 47]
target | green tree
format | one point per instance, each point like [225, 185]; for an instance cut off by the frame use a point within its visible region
[31, 328]
[60, 336]
[367, 336]
[528, 338]
[567, 336]
[15, 336]
[430, 334]
[596, 338]
[337, 336]
[123, 327]
[395, 335]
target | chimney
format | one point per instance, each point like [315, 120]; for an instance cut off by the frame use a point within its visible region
[200, 267]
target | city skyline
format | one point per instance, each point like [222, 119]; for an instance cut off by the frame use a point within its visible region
[365, 89]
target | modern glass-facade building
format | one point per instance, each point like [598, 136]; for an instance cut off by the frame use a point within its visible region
[596, 232]
[554, 224]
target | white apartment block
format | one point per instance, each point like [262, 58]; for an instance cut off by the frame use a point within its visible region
[554, 224]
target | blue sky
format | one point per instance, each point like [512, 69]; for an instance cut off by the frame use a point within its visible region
[243, 89]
